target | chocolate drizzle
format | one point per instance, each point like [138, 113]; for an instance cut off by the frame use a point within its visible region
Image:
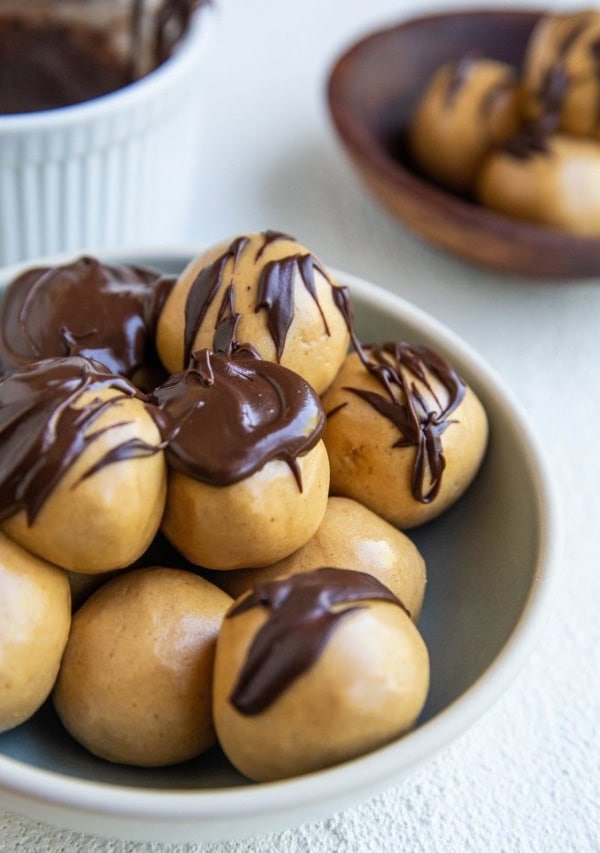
[412, 405]
[531, 141]
[223, 419]
[107, 313]
[204, 289]
[495, 93]
[44, 429]
[268, 238]
[275, 291]
[460, 71]
[554, 87]
[304, 611]
[276, 294]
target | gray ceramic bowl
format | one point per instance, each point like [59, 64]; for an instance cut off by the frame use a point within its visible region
[491, 561]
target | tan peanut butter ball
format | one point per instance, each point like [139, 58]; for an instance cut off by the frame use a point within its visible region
[82, 473]
[35, 615]
[282, 296]
[551, 181]
[349, 537]
[313, 670]
[249, 474]
[561, 76]
[135, 683]
[405, 435]
[469, 107]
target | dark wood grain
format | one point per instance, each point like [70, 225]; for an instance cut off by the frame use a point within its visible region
[372, 92]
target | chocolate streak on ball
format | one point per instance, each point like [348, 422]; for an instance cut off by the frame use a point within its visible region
[554, 87]
[43, 431]
[103, 312]
[395, 366]
[203, 291]
[223, 419]
[460, 71]
[275, 292]
[271, 237]
[304, 611]
[495, 93]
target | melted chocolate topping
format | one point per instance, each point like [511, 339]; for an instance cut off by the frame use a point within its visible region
[420, 418]
[47, 62]
[304, 611]
[44, 430]
[533, 139]
[203, 291]
[86, 308]
[223, 419]
[275, 292]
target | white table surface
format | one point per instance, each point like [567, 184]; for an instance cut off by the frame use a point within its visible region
[526, 777]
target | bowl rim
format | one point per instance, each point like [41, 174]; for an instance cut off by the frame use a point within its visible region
[157, 83]
[377, 769]
[363, 144]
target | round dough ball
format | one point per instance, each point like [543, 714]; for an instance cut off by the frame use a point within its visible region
[555, 181]
[284, 298]
[469, 107]
[407, 453]
[136, 678]
[349, 537]
[253, 522]
[561, 77]
[35, 615]
[91, 499]
[249, 473]
[278, 714]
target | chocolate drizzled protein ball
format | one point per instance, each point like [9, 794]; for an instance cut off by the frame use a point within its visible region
[82, 472]
[405, 435]
[553, 180]
[315, 669]
[561, 77]
[284, 299]
[470, 106]
[249, 474]
[87, 308]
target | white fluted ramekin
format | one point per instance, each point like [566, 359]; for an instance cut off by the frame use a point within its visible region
[108, 172]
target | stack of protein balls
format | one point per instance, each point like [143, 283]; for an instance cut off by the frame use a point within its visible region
[525, 145]
[170, 445]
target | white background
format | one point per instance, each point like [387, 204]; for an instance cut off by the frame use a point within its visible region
[527, 776]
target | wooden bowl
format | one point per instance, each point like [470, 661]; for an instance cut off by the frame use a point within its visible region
[373, 90]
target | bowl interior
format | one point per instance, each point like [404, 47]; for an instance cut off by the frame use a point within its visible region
[393, 67]
[484, 558]
[373, 90]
